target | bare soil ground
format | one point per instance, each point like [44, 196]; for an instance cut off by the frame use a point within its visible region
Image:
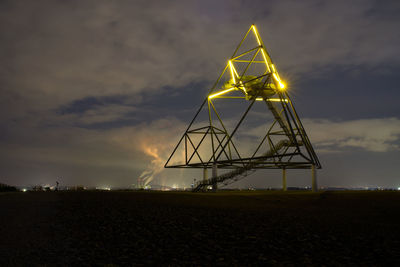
[183, 228]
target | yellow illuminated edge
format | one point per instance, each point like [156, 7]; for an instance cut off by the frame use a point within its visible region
[275, 73]
[269, 66]
[231, 68]
[272, 99]
[221, 92]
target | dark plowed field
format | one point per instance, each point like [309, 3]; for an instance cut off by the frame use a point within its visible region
[177, 228]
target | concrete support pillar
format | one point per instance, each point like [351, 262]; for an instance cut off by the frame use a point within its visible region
[205, 174]
[214, 175]
[205, 178]
[284, 187]
[314, 179]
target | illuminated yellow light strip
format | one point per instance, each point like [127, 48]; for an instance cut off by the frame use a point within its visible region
[262, 49]
[273, 68]
[274, 72]
[281, 85]
[277, 100]
[248, 61]
[265, 59]
[256, 34]
[272, 99]
[234, 69]
[221, 92]
[279, 77]
[232, 74]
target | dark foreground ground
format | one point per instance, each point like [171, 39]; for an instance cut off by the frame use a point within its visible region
[176, 228]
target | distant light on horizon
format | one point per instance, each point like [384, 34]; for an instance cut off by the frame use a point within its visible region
[106, 188]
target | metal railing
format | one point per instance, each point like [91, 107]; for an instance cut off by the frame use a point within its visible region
[227, 178]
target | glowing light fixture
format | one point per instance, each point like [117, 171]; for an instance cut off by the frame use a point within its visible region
[281, 85]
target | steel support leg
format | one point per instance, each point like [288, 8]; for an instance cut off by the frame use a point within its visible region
[314, 178]
[205, 178]
[205, 174]
[284, 187]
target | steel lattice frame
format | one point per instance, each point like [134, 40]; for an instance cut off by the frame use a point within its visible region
[288, 144]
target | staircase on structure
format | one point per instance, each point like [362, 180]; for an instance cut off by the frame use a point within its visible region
[240, 173]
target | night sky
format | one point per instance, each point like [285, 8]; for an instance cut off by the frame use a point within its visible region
[97, 93]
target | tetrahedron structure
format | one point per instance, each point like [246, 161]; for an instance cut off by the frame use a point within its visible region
[246, 122]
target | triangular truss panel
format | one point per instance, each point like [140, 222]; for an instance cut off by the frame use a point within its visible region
[247, 120]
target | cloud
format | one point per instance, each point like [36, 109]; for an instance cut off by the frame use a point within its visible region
[308, 36]
[128, 152]
[58, 54]
[100, 114]
[327, 136]
[375, 135]
[55, 52]
[88, 154]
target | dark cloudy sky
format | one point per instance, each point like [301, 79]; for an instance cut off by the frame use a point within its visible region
[98, 92]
